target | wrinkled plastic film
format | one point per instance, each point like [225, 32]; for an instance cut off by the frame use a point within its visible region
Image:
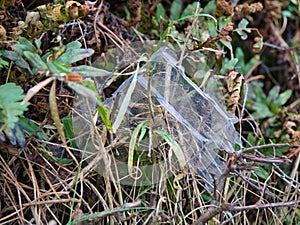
[194, 119]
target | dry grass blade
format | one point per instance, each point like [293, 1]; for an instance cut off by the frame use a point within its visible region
[56, 119]
[125, 103]
[34, 90]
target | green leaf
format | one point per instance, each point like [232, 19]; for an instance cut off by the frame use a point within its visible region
[243, 23]
[36, 62]
[242, 29]
[175, 10]
[10, 105]
[262, 173]
[189, 10]
[57, 69]
[283, 98]
[15, 135]
[175, 147]
[31, 128]
[132, 145]
[68, 128]
[261, 111]
[74, 45]
[49, 155]
[3, 63]
[27, 44]
[273, 94]
[160, 11]
[88, 71]
[82, 90]
[251, 139]
[19, 61]
[89, 90]
[38, 43]
[228, 65]
[74, 54]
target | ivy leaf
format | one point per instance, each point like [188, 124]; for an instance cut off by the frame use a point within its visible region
[10, 105]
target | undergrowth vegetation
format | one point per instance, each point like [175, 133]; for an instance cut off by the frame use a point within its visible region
[122, 112]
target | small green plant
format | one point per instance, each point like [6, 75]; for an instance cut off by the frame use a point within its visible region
[272, 114]
[3, 63]
[12, 124]
[10, 110]
[267, 106]
[10, 106]
[56, 62]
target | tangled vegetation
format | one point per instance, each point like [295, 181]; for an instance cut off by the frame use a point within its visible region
[67, 61]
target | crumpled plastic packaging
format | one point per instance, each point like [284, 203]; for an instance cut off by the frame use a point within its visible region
[164, 95]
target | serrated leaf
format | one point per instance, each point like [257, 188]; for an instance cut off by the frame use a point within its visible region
[10, 105]
[14, 135]
[88, 71]
[9, 133]
[19, 133]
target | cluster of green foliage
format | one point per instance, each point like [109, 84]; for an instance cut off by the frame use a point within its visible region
[56, 63]
[215, 53]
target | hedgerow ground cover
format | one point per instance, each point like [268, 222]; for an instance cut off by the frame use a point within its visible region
[67, 61]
